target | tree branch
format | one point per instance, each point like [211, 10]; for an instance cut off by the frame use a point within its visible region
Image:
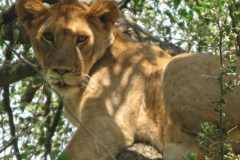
[131, 28]
[8, 33]
[52, 129]
[10, 73]
[7, 107]
[30, 91]
[9, 14]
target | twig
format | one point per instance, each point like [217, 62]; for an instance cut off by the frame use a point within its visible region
[221, 116]
[209, 77]
[34, 66]
[123, 4]
[25, 130]
[8, 156]
[232, 129]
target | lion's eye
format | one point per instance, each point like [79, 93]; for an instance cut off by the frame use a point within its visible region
[48, 36]
[82, 39]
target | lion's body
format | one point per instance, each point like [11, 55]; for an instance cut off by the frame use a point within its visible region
[195, 79]
[137, 92]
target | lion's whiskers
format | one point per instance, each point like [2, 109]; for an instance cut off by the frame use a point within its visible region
[87, 81]
[82, 80]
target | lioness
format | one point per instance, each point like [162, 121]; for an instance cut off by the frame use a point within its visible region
[117, 91]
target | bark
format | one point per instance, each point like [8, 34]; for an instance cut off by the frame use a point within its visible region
[8, 109]
[30, 92]
[10, 73]
[129, 27]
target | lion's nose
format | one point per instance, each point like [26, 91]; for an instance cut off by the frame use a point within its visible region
[61, 71]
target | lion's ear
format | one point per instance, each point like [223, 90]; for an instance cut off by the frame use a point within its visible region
[106, 10]
[28, 10]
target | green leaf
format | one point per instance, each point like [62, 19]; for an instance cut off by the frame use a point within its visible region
[183, 12]
[41, 140]
[191, 156]
[1, 107]
[136, 2]
[24, 155]
[15, 35]
[176, 3]
[168, 13]
[168, 30]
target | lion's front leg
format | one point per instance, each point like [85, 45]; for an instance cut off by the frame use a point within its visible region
[103, 140]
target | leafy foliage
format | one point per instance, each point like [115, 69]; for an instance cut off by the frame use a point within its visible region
[190, 23]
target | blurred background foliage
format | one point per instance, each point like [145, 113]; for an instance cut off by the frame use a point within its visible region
[31, 123]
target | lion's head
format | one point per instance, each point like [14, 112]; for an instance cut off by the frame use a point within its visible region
[69, 37]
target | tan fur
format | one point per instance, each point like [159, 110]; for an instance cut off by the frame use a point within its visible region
[134, 91]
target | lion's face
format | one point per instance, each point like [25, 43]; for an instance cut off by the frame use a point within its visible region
[68, 38]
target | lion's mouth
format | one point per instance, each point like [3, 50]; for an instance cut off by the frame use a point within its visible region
[68, 81]
[58, 82]
[61, 85]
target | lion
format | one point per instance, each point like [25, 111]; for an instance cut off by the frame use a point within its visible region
[117, 91]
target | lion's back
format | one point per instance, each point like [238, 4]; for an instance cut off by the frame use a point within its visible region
[190, 88]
